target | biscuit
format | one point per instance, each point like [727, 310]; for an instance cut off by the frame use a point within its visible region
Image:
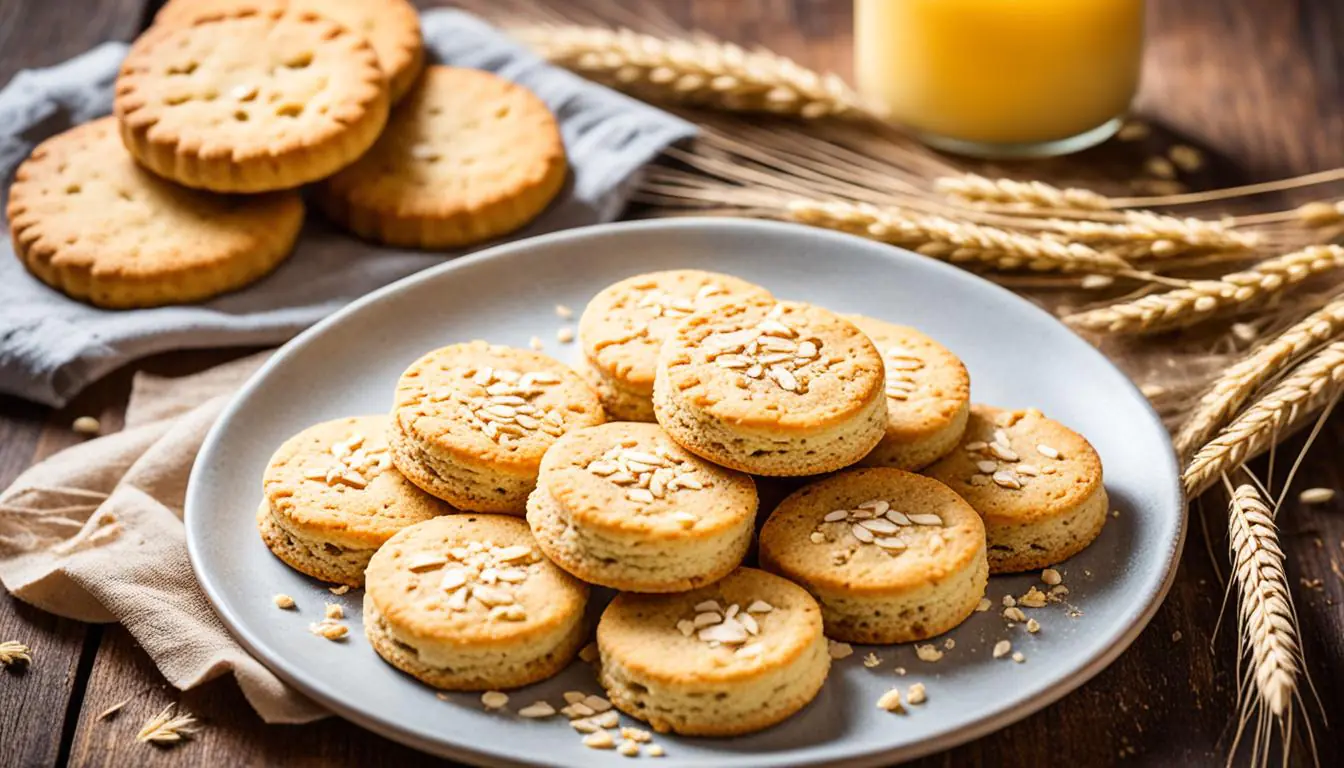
[392, 27]
[928, 396]
[467, 157]
[332, 497]
[89, 222]
[891, 556]
[622, 506]
[771, 388]
[467, 602]
[625, 324]
[734, 657]
[1036, 483]
[472, 421]
[250, 101]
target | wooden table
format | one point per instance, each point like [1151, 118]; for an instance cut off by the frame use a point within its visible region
[1256, 81]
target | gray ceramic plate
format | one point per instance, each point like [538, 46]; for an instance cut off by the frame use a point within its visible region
[1017, 355]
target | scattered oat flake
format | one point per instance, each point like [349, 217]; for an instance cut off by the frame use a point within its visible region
[917, 694]
[1014, 614]
[1051, 576]
[1186, 158]
[628, 748]
[1176, 636]
[589, 652]
[87, 425]
[341, 590]
[891, 701]
[574, 697]
[839, 650]
[12, 652]
[609, 719]
[114, 709]
[1316, 495]
[494, 699]
[929, 653]
[637, 734]
[596, 703]
[1115, 513]
[537, 710]
[1018, 657]
[1009, 601]
[335, 611]
[563, 312]
[283, 601]
[564, 335]
[329, 629]
[872, 660]
[900, 671]
[1160, 167]
[949, 644]
[167, 728]
[1033, 626]
[1002, 648]
[441, 696]
[1133, 131]
[535, 343]
[599, 740]
[984, 605]
[654, 751]
[1034, 598]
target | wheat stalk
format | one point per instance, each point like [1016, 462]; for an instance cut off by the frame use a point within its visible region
[167, 728]
[1144, 234]
[697, 71]
[954, 241]
[1311, 385]
[1268, 625]
[1203, 299]
[1024, 195]
[1231, 390]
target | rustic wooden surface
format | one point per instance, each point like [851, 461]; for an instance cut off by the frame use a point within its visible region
[1255, 81]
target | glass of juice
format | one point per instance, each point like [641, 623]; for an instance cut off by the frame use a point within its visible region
[1001, 78]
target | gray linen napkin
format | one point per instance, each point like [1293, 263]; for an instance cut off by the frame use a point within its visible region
[52, 347]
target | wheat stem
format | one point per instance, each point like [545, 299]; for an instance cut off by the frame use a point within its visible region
[1263, 282]
[1148, 235]
[1310, 386]
[699, 71]
[1231, 390]
[1268, 626]
[954, 241]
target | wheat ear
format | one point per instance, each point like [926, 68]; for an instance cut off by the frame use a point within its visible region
[1205, 298]
[1020, 194]
[1314, 383]
[1268, 625]
[954, 241]
[1237, 384]
[1148, 235]
[701, 71]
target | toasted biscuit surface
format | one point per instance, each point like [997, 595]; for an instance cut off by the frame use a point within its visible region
[1036, 483]
[392, 27]
[250, 101]
[89, 222]
[332, 497]
[623, 506]
[472, 421]
[768, 662]
[468, 602]
[467, 157]
[928, 396]
[891, 556]
[772, 388]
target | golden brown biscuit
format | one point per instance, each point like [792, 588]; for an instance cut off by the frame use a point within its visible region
[468, 157]
[891, 556]
[467, 602]
[928, 396]
[89, 222]
[250, 102]
[332, 498]
[1036, 483]
[392, 27]
[623, 506]
[734, 657]
[472, 421]
[625, 324]
[771, 388]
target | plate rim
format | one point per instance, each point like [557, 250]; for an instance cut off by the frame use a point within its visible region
[1118, 644]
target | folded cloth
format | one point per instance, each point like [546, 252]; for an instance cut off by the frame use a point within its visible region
[51, 347]
[95, 533]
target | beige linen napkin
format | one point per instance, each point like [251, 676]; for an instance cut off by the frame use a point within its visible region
[95, 533]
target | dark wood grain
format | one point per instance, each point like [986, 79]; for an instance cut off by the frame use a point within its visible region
[1256, 81]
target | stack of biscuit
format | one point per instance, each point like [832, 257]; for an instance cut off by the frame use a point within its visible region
[522, 483]
[225, 109]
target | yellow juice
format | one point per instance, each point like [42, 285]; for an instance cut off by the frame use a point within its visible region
[1000, 72]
